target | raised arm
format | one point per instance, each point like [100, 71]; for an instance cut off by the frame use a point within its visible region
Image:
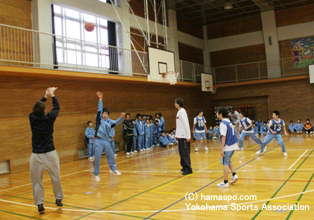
[56, 107]
[44, 99]
[98, 116]
[118, 121]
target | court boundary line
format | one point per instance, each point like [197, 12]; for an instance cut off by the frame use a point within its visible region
[300, 197]
[278, 190]
[297, 160]
[162, 210]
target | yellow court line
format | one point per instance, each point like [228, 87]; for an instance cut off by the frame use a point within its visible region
[178, 180]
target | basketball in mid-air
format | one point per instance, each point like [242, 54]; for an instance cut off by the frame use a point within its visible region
[89, 26]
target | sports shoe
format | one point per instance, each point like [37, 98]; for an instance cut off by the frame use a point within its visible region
[59, 202]
[41, 208]
[115, 155]
[97, 178]
[132, 152]
[115, 172]
[196, 149]
[285, 154]
[127, 153]
[259, 152]
[135, 151]
[93, 158]
[90, 158]
[214, 138]
[223, 185]
[234, 179]
[206, 148]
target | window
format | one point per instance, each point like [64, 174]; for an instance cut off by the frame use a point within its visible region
[76, 46]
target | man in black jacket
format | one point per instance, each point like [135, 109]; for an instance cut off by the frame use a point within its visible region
[128, 129]
[44, 156]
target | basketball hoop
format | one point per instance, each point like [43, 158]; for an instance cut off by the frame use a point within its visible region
[213, 88]
[170, 77]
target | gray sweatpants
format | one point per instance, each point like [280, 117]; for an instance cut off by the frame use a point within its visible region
[50, 162]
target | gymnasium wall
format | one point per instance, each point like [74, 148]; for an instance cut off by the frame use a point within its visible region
[292, 99]
[78, 103]
[191, 54]
[244, 37]
[189, 27]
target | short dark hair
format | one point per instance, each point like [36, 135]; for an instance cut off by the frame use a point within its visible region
[199, 111]
[223, 111]
[162, 131]
[179, 101]
[143, 115]
[106, 110]
[276, 113]
[127, 114]
[156, 121]
[299, 119]
[138, 115]
[265, 122]
[291, 121]
[39, 108]
[88, 122]
[308, 119]
[160, 114]
[132, 120]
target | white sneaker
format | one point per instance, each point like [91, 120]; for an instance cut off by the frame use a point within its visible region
[135, 151]
[157, 145]
[196, 149]
[132, 152]
[206, 148]
[214, 138]
[115, 155]
[115, 172]
[97, 178]
[90, 158]
[127, 153]
[223, 185]
[285, 154]
[259, 152]
[234, 179]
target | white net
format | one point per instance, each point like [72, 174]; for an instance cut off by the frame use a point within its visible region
[172, 77]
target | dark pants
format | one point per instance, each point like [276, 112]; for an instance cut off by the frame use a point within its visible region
[129, 143]
[184, 150]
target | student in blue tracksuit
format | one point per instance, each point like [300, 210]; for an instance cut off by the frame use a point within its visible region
[255, 129]
[164, 142]
[247, 130]
[259, 124]
[155, 131]
[275, 127]
[147, 132]
[210, 132]
[170, 139]
[151, 132]
[299, 126]
[216, 132]
[292, 128]
[103, 139]
[134, 138]
[113, 146]
[139, 126]
[229, 143]
[264, 129]
[162, 122]
[89, 133]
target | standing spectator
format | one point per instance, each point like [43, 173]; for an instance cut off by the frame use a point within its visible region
[128, 128]
[183, 135]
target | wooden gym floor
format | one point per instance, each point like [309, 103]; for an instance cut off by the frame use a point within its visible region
[151, 185]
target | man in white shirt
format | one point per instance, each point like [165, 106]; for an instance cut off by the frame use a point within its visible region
[183, 135]
[229, 143]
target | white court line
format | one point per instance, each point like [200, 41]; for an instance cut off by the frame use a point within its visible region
[297, 160]
[149, 211]
[87, 170]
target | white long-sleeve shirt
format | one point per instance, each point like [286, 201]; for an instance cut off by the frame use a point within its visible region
[183, 127]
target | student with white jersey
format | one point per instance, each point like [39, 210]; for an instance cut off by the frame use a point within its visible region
[229, 143]
[183, 135]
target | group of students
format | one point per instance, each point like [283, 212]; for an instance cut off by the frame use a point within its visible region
[299, 127]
